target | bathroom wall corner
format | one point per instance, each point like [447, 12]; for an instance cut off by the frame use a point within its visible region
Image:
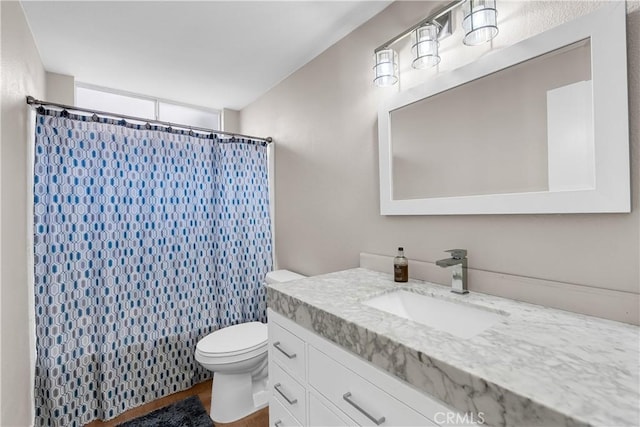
[230, 120]
[22, 74]
[61, 88]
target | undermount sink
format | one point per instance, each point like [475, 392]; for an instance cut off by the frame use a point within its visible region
[461, 320]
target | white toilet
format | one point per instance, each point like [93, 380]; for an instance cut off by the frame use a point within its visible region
[237, 355]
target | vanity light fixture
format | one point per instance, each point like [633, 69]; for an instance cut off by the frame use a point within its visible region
[425, 46]
[479, 24]
[386, 68]
[480, 21]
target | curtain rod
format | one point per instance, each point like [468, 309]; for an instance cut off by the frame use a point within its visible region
[32, 101]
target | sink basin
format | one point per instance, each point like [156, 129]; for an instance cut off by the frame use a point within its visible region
[461, 320]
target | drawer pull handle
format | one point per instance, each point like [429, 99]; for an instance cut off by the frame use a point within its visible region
[377, 421]
[277, 346]
[289, 401]
[277, 423]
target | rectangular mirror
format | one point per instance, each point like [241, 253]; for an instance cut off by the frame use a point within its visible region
[539, 127]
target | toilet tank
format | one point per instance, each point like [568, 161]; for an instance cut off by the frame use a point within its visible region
[280, 276]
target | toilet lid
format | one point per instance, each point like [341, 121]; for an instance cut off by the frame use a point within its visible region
[234, 339]
[281, 276]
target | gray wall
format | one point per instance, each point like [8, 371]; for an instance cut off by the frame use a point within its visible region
[230, 120]
[61, 88]
[324, 121]
[497, 137]
[22, 75]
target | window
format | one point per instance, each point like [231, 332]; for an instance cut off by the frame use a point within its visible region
[175, 113]
[145, 107]
[113, 102]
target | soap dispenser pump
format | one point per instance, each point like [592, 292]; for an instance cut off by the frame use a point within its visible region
[400, 267]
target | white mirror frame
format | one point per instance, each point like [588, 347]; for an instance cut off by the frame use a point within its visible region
[606, 27]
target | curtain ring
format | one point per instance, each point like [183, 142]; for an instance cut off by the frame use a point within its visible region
[95, 117]
[147, 125]
[64, 113]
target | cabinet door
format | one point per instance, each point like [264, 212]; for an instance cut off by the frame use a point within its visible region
[291, 394]
[279, 416]
[358, 398]
[320, 415]
[287, 350]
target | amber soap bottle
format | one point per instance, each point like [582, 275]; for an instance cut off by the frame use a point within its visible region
[400, 267]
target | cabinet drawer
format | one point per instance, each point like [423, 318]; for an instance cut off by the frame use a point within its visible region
[320, 415]
[288, 350]
[358, 398]
[288, 391]
[279, 416]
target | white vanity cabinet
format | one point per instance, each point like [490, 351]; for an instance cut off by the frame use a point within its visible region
[314, 382]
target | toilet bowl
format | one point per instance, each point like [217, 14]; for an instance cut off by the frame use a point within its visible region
[237, 356]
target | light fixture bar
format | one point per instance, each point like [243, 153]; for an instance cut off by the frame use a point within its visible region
[441, 16]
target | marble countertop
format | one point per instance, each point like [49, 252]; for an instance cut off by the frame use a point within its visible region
[537, 367]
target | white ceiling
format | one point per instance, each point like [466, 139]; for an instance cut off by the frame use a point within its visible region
[219, 54]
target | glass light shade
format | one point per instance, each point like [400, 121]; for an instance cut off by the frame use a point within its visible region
[425, 46]
[385, 68]
[480, 21]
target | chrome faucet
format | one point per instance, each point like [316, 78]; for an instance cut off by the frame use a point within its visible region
[458, 261]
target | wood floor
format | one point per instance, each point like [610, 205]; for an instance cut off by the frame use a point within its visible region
[203, 391]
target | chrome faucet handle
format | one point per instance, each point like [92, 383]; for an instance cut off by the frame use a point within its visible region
[458, 253]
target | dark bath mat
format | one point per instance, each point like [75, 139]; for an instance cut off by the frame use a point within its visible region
[186, 413]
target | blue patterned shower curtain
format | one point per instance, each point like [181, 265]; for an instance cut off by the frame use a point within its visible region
[145, 241]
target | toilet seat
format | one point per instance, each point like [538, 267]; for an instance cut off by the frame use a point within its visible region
[234, 343]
